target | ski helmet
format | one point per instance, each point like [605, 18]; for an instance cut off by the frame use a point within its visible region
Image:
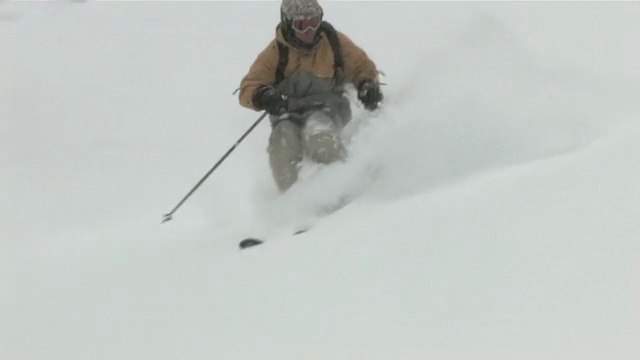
[291, 10]
[300, 16]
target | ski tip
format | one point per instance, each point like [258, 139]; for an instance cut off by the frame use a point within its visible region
[249, 242]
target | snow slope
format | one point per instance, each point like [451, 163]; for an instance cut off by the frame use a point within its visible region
[497, 197]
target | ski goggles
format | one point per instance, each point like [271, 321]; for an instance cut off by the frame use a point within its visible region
[303, 25]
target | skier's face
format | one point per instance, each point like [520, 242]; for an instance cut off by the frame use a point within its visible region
[307, 36]
[305, 29]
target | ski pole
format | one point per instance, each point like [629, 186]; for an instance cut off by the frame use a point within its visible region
[169, 215]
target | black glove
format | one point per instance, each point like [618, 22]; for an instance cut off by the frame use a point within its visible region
[267, 98]
[369, 94]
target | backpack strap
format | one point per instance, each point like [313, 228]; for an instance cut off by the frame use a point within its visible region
[334, 42]
[283, 59]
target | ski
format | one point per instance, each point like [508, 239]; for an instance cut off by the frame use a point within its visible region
[251, 242]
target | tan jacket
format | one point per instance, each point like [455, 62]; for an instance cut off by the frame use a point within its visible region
[357, 65]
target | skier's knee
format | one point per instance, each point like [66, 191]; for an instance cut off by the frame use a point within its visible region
[285, 137]
[285, 153]
[325, 148]
[322, 139]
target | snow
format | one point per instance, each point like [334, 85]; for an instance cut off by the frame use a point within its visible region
[495, 206]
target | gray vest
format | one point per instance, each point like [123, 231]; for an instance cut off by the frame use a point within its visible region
[308, 93]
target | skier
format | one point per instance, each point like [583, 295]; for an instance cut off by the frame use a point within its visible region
[299, 80]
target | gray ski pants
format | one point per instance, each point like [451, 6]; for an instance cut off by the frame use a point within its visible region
[314, 134]
[318, 140]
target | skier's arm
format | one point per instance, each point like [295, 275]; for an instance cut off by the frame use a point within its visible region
[261, 72]
[358, 66]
